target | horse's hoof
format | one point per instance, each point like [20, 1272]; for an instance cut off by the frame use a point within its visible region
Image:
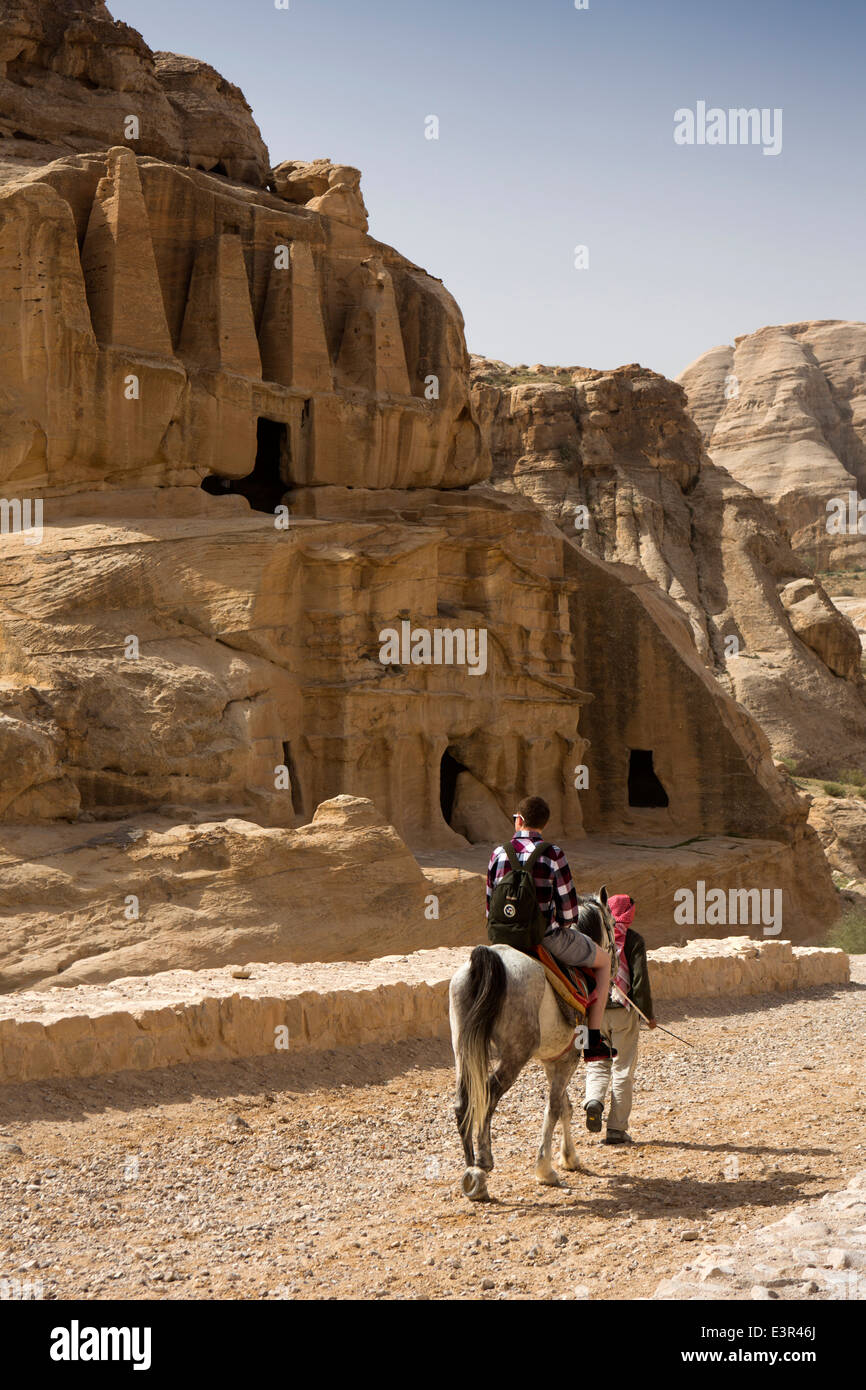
[548, 1176]
[570, 1164]
[474, 1185]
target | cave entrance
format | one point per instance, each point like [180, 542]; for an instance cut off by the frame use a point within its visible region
[644, 787]
[449, 771]
[266, 486]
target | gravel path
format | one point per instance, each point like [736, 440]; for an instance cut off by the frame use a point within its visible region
[338, 1176]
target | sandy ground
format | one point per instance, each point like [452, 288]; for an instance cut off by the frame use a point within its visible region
[338, 1176]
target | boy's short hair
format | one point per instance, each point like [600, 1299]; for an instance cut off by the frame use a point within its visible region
[535, 812]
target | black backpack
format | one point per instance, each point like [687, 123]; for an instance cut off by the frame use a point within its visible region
[515, 919]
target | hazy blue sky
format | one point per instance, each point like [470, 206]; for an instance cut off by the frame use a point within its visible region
[556, 129]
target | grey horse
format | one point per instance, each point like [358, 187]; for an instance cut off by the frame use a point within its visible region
[502, 997]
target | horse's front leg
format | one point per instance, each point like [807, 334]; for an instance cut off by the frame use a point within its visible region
[544, 1169]
[558, 1107]
[568, 1153]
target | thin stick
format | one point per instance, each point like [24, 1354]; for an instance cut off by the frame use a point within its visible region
[632, 1005]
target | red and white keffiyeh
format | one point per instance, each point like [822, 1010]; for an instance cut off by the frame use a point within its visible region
[622, 911]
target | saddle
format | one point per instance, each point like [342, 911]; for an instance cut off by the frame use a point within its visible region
[571, 985]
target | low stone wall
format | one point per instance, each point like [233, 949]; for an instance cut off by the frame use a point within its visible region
[205, 1015]
[742, 965]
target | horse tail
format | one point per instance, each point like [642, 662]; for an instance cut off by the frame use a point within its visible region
[486, 992]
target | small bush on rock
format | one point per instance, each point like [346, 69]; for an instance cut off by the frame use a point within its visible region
[849, 933]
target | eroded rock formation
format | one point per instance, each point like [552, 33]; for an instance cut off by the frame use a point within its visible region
[334, 189]
[784, 411]
[841, 824]
[72, 78]
[618, 463]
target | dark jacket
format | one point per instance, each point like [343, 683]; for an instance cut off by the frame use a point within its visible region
[635, 958]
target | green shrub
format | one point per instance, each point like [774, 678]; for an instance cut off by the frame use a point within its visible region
[790, 764]
[849, 933]
[832, 789]
[854, 777]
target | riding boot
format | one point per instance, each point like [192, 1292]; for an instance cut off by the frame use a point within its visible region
[598, 1049]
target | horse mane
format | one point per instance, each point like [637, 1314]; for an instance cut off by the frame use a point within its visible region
[589, 919]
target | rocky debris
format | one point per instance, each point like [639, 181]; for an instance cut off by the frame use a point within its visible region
[347, 1183]
[816, 1251]
[74, 79]
[318, 184]
[617, 462]
[784, 411]
[192, 1015]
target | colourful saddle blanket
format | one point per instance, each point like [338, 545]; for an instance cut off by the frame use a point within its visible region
[573, 985]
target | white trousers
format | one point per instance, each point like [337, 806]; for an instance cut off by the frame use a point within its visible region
[622, 1026]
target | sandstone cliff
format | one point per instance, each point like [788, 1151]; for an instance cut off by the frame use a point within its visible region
[784, 411]
[618, 463]
[248, 429]
[72, 78]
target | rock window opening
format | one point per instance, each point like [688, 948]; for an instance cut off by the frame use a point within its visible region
[644, 787]
[449, 770]
[266, 486]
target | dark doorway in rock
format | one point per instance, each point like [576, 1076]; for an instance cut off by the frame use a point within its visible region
[644, 787]
[265, 487]
[294, 779]
[449, 770]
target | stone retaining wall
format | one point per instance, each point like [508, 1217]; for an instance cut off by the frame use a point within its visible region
[188, 1016]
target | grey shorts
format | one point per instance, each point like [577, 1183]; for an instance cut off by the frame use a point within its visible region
[570, 946]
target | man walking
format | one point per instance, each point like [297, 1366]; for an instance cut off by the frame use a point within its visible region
[622, 1025]
[558, 900]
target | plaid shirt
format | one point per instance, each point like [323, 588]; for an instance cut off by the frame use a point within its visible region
[554, 888]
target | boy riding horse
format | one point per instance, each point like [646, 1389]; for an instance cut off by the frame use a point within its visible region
[559, 902]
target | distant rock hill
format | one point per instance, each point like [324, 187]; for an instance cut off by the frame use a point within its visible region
[784, 411]
[622, 446]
